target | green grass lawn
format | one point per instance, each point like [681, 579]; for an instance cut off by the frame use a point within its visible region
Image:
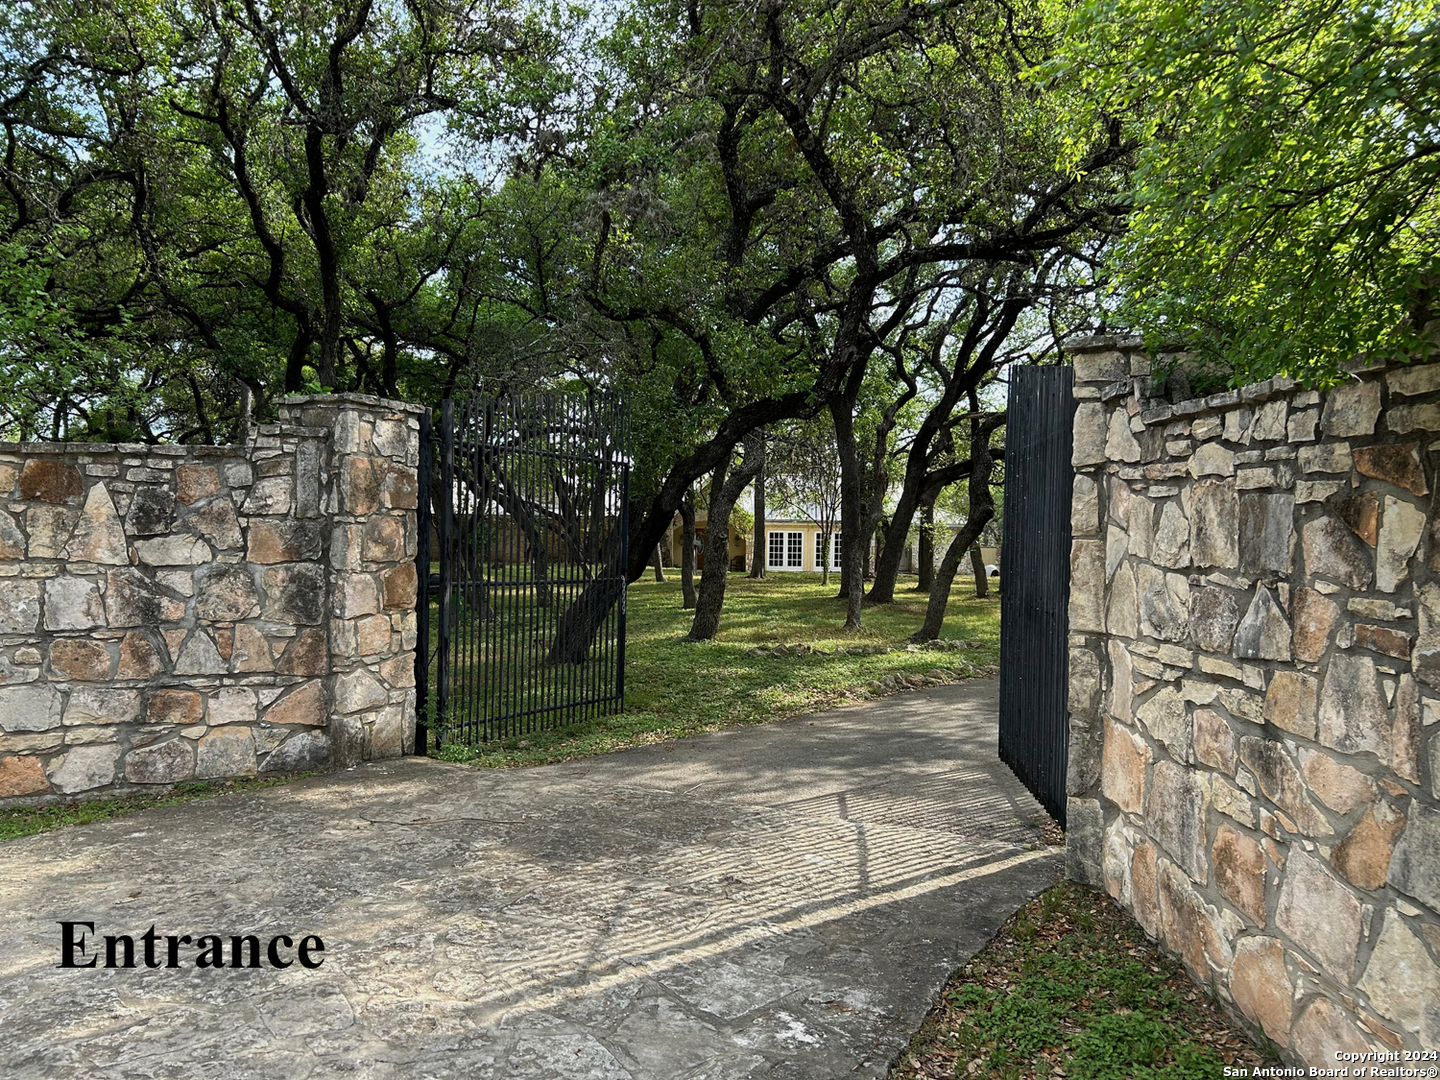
[676, 688]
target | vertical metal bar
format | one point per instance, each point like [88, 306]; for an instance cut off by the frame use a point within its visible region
[422, 591]
[624, 516]
[447, 558]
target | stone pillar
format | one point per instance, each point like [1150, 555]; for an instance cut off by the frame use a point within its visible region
[370, 500]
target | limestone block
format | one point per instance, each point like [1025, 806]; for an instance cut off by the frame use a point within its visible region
[270, 495]
[51, 481]
[1089, 429]
[1352, 408]
[170, 762]
[1144, 887]
[84, 768]
[1215, 524]
[226, 592]
[387, 734]
[176, 550]
[1084, 508]
[1214, 614]
[1415, 864]
[151, 512]
[1116, 863]
[1364, 855]
[307, 479]
[215, 520]
[196, 482]
[1084, 839]
[294, 593]
[1403, 982]
[399, 671]
[1413, 379]
[1314, 617]
[1231, 801]
[1311, 899]
[1087, 586]
[384, 539]
[1353, 715]
[250, 652]
[372, 636]
[1323, 1030]
[1267, 526]
[130, 598]
[1282, 783]
[22, 776]
[1118, 703]
[199, 656]
[49, 529]
[1101, 367]
[1383, 639]
[1301, 425]
[1164, 604]
[80, 658]
[1165, 717]
[1123, 763]
[12, 540]
[357, 691]
[1176, 806]
[1405, 730]
[1122, 612]
[1240, 872]
[73, 603]
[1406, 418]
[98, 535]
[1290, 702]
[232, 705]
[282, 540]
[1333, 551]
[141, 657]
[1142, 526]
[1263, 633]
[178, 707]
[1401, 526]
[1325, 458]
[306, 654]
[1335, 784]
[1190, 926]
[1213, 741]
[1171, 545]
[1212, 459]
[360, 483]
[300, 752]
[225, 753]
[303, 705]
[1260, 987]
[399, 586]
[1118, 508]
[32, 707]
[1397, 464]
[1360, 511]
[1269, 423]
[398, 487]
[19, 605]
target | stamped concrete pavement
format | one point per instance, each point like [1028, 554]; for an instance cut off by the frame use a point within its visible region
[778, 901]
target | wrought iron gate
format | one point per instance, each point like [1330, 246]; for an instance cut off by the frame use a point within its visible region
[522, 625]
[1035, 581]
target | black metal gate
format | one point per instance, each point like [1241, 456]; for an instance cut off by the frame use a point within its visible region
[1035, 581]
[522, 625]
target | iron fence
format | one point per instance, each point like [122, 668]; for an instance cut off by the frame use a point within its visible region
[522, 625]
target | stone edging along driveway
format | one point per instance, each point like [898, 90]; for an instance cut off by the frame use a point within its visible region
[776, 901]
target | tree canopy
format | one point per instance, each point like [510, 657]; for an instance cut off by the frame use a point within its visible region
[1285, 211]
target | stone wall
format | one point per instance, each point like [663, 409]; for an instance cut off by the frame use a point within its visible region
[170, 613]
[1255, 685]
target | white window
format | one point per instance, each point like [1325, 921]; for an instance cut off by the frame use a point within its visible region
[835, 557]
[794, 551]
[776, 557]
[819, 550]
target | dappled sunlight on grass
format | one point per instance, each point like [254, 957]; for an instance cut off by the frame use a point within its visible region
[676, 687]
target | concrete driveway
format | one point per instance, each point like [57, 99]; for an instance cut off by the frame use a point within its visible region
[778, 901]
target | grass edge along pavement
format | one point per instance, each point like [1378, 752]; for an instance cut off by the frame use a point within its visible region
[1071, 986]
[781, 652]
[19, 821]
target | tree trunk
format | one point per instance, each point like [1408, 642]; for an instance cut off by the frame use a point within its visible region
[687, 551]
[977, 565]
[925, 548]
[852, 568]
[982, 509]
[659, 567]
[825, 546]
[762, 545]
[725, 488]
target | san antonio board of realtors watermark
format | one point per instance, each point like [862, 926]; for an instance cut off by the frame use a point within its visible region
[81, 947]
[1377, 1063]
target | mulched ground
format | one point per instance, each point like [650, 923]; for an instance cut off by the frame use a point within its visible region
[1072, 988]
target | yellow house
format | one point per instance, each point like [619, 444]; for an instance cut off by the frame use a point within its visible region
[791, 545]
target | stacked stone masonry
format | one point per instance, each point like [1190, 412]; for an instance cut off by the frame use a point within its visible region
[176, 613]
[1255, 690]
